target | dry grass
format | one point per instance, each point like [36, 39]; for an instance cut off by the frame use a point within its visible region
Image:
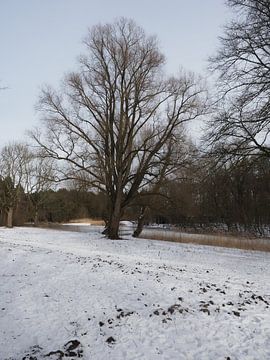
[212, 240]
[89, 221]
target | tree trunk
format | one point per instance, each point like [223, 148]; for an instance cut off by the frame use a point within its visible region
[114, 220]
[36, 217]
[10, 217]
[140, 223]
[105, 231]
[113, 228]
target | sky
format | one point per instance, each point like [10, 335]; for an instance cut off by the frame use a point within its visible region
[40, 41]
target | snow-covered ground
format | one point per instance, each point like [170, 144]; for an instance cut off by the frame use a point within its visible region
[68, 295]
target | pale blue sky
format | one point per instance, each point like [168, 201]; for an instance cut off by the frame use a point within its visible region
[41, 39]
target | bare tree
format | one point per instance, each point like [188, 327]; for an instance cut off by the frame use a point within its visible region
[39, 179]
[14, 160]
[22, 172]
[113, 121]
[242, 124]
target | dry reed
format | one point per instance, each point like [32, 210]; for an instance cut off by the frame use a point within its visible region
[211, 240]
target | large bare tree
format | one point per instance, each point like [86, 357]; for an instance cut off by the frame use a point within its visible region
[113, 122]
[242, 124]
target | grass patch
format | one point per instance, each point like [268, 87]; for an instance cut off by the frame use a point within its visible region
[211, 240]
[89, 221]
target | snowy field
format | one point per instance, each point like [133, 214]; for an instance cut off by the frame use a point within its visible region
[68, 295]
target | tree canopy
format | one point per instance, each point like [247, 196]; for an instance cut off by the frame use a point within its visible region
[241, 124]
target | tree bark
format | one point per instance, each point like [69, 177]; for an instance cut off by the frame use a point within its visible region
[113, 228]
[10, 217]
[140, 224]
[115, 216]
[36, 217]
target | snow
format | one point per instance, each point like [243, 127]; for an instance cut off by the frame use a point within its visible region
[129, 299]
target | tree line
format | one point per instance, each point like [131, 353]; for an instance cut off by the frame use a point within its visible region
[116, 128]
[203, 196]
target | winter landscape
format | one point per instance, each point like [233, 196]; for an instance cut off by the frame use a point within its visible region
[69, 295]
[135, 180]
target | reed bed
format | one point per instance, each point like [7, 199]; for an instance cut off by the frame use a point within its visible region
[211, 240]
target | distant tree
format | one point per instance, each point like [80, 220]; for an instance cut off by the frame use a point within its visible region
[241, 126]
[63, 205]
[14, 160]
[40, 178]
[114, 120]
[235, 194]
[22, 172]
[6, 199]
